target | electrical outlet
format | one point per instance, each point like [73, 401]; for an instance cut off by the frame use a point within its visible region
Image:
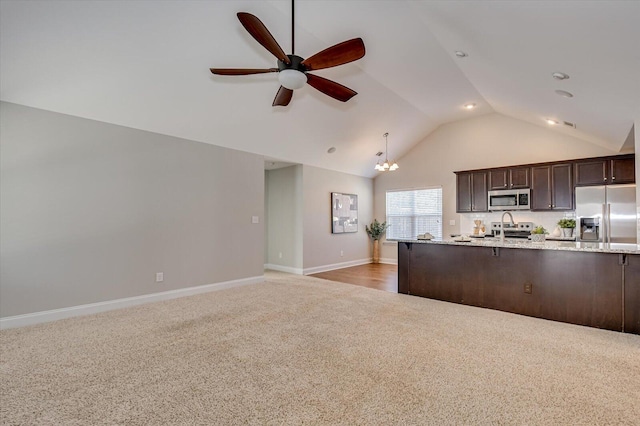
[528, 287]
[452, 222]
[255, 219]
[159, 277]
[280, 255]
[341, 253]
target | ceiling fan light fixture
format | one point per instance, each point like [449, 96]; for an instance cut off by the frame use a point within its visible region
[292, 79]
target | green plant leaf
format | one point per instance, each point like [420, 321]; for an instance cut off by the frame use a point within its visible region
[376, 229]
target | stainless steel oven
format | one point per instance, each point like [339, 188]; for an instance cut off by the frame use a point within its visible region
[510, 199]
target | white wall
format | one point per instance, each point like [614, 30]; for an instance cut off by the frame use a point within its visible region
[284, 224]
[322, 249]
[491, 140]
[91, 211]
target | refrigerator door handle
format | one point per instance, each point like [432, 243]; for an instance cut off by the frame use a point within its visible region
[609, 223]
[604, 223]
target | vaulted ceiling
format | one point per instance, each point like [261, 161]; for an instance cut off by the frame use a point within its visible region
[145, 64]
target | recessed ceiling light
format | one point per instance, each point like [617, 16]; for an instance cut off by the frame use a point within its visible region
[461, 54]
[564, 93]
[470, 106]
[560, 76]
[331, 150]
[551, 121]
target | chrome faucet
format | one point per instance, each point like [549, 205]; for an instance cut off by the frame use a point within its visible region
[502, 224]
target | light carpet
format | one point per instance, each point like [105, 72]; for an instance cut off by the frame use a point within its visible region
[301, 350]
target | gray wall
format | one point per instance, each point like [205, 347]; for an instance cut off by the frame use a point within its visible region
[299, 220]
[91, 211]
[321, 247]
[636, 135]
[284, 218]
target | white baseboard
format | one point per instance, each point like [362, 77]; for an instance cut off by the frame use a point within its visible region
[324, 268]
[281, 268]
[389, 260]
[94, 308]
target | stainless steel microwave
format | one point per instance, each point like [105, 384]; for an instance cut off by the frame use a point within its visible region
[510, 199]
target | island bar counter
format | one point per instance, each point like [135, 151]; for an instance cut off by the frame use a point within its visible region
[596, 286]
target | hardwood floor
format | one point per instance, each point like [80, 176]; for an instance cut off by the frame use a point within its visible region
[373, 275]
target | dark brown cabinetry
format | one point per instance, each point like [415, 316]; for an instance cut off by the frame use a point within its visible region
[575, 287]
[632, 294]
[605, 171]
[512, 178]
[551, 184]
[499, 179]
[552, 187]
[623, 170]
[471, 192]
[519, 177]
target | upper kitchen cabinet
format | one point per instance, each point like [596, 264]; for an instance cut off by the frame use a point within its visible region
[499, 179]
[471, 192]
[511, 178]
[623, 170]
[519, 177]
[552, 187]
[605, 171]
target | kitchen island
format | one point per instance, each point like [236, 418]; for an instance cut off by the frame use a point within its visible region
[590, 284]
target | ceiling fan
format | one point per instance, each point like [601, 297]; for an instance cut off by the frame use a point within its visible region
[294, 70]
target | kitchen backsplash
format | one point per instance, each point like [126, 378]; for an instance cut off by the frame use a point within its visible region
[547, 219]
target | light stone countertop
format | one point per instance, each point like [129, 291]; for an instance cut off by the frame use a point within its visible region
[527, 244]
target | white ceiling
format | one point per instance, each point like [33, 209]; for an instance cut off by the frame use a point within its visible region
[145, 64]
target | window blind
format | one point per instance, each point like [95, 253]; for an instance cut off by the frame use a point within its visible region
[414, 212]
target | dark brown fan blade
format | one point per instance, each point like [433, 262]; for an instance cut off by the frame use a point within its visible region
[331, 88]
[283, 97]
[342, 53]
[256, 28]
[241, 71]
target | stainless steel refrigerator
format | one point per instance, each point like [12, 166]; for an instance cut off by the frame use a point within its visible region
[606, 214]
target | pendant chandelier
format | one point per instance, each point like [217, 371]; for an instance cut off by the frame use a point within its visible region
[387, 165]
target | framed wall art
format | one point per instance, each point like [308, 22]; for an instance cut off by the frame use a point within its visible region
[344, 213]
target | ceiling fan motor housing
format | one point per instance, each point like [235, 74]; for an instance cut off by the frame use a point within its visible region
[296, 64]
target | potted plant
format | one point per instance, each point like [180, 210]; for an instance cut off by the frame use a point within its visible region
[567, 226]
[538, 235]
[376, 230]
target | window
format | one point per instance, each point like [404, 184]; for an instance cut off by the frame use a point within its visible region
[414, 212]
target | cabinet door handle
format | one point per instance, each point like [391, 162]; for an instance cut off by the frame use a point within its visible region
[549, 205]
[505, 185]
[605, 179]
[613, 178]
